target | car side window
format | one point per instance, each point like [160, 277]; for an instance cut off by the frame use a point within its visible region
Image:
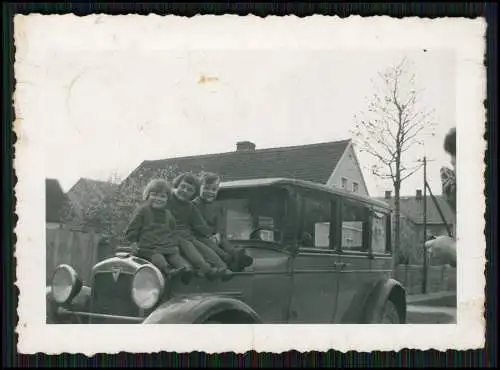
[316, 223]
[353, 227]
[379, 231]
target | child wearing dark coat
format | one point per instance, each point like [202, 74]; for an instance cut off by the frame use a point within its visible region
[190, 223]
[151, 231]
[236, 258]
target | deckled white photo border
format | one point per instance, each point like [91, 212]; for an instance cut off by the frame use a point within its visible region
[466, 37]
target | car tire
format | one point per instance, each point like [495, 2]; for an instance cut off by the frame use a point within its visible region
[390, 314]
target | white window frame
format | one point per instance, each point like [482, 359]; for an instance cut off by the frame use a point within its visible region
[342, 182]
[357, 187]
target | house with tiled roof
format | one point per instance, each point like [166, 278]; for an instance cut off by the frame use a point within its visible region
[88, 193]
[56, 203]
[332, 163]
[412, 221]
[413, 208]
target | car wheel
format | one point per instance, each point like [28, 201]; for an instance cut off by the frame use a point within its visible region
[390, 315]
[212, 322]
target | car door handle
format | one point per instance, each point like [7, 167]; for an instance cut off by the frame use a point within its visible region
[340, 265]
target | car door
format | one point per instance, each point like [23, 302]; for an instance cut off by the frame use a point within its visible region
[315, 276]
[270, 273]
[363, 257]
[271, 284]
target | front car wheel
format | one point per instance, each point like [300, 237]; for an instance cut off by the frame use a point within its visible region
[391, 314]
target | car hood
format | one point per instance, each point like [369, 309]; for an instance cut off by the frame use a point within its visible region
[268, 264]
[126, 263]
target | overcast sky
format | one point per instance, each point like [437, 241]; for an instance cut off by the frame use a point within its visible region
[108, 110]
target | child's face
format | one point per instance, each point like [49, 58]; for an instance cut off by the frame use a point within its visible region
[185, 191]
[209, 191]
[158, 200]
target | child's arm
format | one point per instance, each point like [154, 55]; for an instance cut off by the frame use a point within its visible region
[170, 220]
[220, 220]
[198, 223]
[133, 231]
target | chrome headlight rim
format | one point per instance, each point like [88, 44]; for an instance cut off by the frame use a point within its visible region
[76, 283]
[161, 285]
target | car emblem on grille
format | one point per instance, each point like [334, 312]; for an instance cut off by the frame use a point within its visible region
[116, 273]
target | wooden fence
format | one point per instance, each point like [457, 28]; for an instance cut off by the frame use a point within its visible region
[439, 278]
[78, 249]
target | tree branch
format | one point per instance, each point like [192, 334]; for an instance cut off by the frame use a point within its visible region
[392, 123]
[410, 140]
[377, 155]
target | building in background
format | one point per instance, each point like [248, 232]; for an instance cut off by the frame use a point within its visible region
[56, 204]
[88, 194]
[331, 163]
[412, 222]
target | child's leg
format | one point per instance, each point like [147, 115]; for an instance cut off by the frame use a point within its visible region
[159, 261]
[176, 260]
[225, 256]
[240, 258]
[209, 254]
[193, 255]
[181, 265]
[228, 247]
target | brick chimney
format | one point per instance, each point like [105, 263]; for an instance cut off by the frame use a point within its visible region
[388, 194]
[419, 194]
[245, 146]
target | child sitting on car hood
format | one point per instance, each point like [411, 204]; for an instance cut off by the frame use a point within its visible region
[151, 231]
[237, 258]
[190, 223]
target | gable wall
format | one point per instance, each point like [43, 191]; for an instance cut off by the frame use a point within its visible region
[349, 168]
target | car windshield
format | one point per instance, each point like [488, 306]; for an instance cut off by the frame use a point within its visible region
[246, 210]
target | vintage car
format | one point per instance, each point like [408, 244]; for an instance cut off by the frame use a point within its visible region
[321, 255]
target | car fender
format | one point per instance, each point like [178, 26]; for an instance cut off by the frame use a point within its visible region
[384, 290]
[355, 312]
[197, 309]
[79, 303]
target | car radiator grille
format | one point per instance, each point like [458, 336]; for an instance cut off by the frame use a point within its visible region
[112, 297]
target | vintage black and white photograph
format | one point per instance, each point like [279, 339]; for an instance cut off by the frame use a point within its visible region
[216, 170]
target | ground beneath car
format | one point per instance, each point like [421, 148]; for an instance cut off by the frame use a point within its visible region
[433, 308]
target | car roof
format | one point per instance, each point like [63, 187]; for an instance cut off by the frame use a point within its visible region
[263, 182]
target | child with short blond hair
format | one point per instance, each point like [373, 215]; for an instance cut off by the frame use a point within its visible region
[151, 230]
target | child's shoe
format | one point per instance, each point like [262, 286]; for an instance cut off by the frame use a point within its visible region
[225, 274]
[240, 261]
[186, 275]
[245, 259]
[175, 270]
[210, 274]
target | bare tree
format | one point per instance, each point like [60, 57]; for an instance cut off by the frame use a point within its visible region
[395, 121]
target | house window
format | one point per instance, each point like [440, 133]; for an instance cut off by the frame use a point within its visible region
[316, 223]
[344, 183]
[355, 187]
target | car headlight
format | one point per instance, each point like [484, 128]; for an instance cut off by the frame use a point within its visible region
[147, 287]
[65, 284]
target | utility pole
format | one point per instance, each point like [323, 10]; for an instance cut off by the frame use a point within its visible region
[424, 278]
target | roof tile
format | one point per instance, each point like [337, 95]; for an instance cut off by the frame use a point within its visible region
[412, 207]
[314, 162]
